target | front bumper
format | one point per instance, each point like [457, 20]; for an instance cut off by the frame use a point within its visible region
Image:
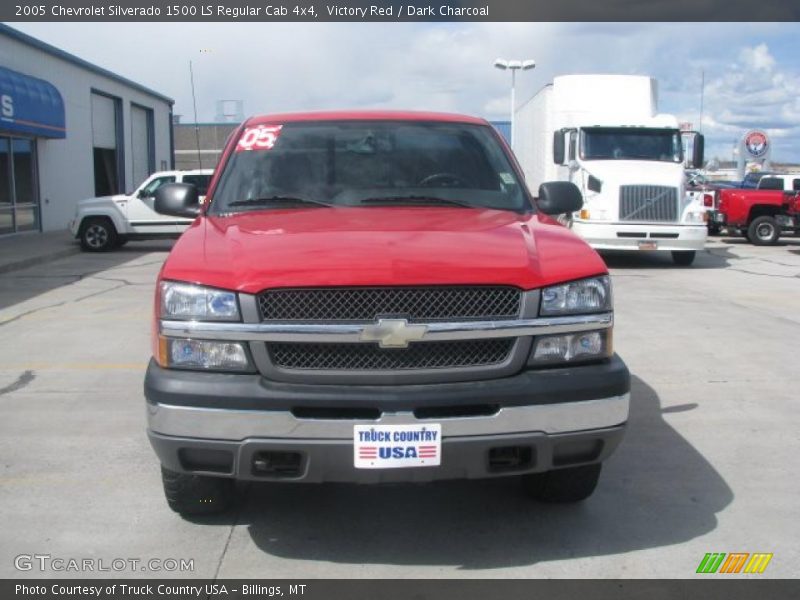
[637, 236]
[323, 460]
[717, 218]
[218, 424]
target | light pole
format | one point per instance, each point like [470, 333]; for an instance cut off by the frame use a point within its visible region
[514, 66]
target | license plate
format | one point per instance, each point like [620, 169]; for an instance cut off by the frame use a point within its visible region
[648, 245]
[397, 446]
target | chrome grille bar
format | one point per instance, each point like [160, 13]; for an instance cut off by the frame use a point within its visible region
[352, 332]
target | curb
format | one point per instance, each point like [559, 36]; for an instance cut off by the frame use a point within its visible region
[39, 259]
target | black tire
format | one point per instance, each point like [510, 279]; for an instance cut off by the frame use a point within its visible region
[98, 234]
[197, 494]
[122, 240]
[764, 231]
[563, 485]
[683, 258]
[714, 230]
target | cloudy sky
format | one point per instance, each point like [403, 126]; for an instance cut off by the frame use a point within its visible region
[752, 70]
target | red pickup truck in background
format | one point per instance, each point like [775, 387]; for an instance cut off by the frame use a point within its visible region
[759, 215]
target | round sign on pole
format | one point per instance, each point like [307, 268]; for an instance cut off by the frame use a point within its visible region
[756, 143]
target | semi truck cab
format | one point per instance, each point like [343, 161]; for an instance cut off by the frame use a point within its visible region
[633, 184]
[604, 134]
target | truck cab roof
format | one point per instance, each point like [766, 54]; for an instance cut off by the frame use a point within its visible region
[364, 115]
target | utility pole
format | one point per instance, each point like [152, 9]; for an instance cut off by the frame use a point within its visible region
[702, 94]
[196, 126]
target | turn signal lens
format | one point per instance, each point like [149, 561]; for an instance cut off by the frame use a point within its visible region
[574, 347]
[203, 354]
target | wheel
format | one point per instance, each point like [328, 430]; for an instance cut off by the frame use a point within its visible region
[98, 235]
[683, 258]
[122, 240]
[197, 494]
[563, 485]
[714, 230]
[764, 231]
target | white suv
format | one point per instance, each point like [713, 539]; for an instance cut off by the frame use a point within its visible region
[788, 182]
[107, 222]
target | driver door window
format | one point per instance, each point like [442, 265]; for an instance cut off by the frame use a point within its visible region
[141, 213]
[149, 190]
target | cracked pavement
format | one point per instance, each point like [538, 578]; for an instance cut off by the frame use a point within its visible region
[708, 465]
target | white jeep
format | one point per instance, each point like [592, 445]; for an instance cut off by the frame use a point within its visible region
[104, 223]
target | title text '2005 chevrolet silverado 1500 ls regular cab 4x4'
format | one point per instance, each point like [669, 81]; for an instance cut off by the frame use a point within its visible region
[376, 297]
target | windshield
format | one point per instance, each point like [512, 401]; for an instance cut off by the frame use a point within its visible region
[368, 163]
[607, 143]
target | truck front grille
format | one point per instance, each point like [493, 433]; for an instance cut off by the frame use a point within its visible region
[371, 357]
[652, 203]
[366, 304]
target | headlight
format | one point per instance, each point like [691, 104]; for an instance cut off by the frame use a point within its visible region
[573, 347]
[695, 217]
[202, 354]
[186, 301]
[584, 296]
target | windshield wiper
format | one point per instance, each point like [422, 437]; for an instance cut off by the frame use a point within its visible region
[414, 199]
[278, 200]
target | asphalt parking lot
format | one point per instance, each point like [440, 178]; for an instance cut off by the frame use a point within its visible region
[709, 463]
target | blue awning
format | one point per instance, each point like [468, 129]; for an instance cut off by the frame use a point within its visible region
[504, 127]
[31, 106]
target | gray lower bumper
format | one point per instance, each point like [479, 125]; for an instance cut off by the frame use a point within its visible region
[468, 457]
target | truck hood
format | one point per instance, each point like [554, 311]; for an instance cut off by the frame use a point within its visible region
[632, 172]
[101, 200]
[308, 247]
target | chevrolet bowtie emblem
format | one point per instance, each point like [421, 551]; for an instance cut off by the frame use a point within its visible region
[393, 333]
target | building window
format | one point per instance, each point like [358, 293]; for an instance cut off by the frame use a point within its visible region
[107, 142]
[19, 198]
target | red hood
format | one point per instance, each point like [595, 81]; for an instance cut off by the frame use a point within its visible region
[313, 247]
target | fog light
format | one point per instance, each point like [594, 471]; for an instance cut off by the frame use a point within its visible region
[574, 347]
[202, 354]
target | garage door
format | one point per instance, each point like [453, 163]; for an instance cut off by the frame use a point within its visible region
[105, 117]
[141, 144]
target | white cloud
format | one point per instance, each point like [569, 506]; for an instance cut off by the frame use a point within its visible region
[448, 66]
[757, 58]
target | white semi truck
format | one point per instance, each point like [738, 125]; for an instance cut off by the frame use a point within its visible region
[603, 133]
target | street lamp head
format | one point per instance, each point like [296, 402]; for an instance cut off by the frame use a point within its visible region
[525, 65]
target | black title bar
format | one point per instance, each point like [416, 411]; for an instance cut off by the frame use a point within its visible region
[709, 588]
[400, 10]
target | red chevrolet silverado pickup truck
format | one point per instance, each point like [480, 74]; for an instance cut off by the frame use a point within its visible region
[377, 297]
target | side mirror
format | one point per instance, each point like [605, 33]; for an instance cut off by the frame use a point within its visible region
[559, 197]
[177, 200]
[698, 150]
[558, 147]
